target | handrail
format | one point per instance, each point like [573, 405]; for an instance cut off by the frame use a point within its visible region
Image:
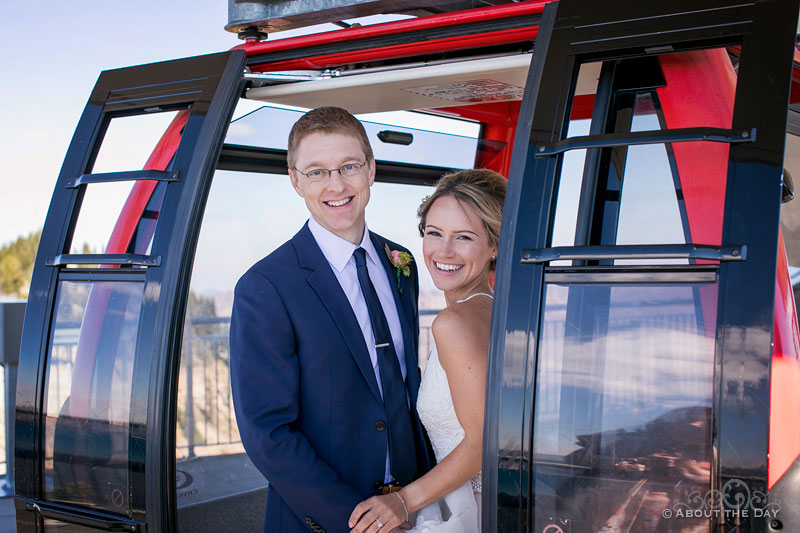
[635, 251]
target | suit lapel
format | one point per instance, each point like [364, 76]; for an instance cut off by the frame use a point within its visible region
[324, 282]
[405, 310]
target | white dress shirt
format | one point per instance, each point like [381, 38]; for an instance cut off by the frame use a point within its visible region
[339, 253]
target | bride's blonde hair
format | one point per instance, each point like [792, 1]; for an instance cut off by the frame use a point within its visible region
[482, 189]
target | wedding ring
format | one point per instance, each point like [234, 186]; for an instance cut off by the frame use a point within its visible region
[380, 524]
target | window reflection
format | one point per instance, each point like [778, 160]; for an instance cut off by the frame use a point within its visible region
[88, 393]
[623, 405]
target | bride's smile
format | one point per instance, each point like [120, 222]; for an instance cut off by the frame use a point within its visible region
[456, 248]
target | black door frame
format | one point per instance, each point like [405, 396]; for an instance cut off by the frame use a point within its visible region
[576, 31]
[209, 87]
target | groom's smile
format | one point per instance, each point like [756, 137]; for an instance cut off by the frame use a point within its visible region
[336, 201]
[339, 203]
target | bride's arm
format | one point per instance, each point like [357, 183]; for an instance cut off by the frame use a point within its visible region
[462, 342]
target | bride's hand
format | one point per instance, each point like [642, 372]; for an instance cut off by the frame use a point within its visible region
[379, 513]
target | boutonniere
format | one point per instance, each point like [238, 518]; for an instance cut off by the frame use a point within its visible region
[400, 261]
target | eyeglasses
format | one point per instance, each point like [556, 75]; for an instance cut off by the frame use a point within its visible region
[321, 174]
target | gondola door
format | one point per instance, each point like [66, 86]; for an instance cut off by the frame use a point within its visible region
[629, 383]
[98, 365]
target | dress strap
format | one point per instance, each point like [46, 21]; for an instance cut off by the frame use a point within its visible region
[474, 295]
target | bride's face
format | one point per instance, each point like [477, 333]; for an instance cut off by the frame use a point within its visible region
[456, 246]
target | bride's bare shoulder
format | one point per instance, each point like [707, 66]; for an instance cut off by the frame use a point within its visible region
[462, 329]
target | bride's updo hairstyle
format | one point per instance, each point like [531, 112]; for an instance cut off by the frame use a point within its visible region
[481, 189]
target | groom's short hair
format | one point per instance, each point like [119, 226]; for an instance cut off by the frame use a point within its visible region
[327, 120]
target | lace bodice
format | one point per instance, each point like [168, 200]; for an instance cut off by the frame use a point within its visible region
[437, 413]
[436, 410]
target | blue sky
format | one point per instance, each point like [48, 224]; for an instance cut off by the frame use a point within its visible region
[52, 54]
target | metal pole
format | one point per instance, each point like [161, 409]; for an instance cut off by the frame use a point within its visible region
[12, 315]
[188, 360]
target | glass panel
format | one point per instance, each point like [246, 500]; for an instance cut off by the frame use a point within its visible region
[698, 88]
[650, 210]
[669, 193]
[210, 461]
[569, 189]
[262, 211]
[129, 141]
[127, 145]
[100, 209]
[622, 418]
[101, 216]
[141, 241]
[698, 91]
[88, 393]
[657, 208]
[439, 141]
[573, 162]
[583, 99]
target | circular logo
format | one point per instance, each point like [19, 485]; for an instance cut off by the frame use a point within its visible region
[552, 528]
[183, 479]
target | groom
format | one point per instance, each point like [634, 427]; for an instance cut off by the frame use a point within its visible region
[324, 344]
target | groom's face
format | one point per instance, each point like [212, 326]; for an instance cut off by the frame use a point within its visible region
[337, 202]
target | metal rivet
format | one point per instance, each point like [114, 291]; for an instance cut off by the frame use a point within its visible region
[541, 148]
[735, 252]
[745, 134]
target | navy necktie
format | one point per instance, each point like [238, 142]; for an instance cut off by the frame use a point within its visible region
[402, 453]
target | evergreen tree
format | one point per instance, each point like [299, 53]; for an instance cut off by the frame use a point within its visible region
[16, 265]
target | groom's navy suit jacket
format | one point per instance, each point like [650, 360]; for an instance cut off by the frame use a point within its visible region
[307, 401]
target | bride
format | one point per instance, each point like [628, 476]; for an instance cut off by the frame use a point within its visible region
[460, 226]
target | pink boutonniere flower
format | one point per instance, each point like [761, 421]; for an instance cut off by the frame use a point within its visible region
[400, 261]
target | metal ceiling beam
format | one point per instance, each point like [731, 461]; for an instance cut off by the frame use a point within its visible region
[269, 16]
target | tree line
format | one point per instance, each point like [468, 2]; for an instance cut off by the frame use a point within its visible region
[16, 265]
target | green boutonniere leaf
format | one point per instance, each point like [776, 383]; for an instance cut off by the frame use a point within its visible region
[400, 261]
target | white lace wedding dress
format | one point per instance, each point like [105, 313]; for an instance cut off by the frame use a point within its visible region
[459, 511]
